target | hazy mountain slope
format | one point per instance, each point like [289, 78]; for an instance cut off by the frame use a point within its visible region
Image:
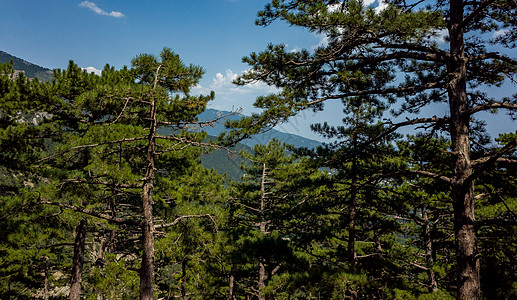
[31, 70]
[264, 138]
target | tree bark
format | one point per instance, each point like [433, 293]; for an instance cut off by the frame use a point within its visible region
[184, 279]
[147, 268]
[263, 229]
[231, 285]
[428, 246]
[462, 189]
[351, 210]
[46, 293]
[77, 267]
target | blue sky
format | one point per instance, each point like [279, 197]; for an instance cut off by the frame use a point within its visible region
[214, 34]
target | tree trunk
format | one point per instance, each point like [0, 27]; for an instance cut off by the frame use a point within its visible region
[351, 212]
[231, 285]
[184, 279]
[428, 246]
[263, 229]
[262, 279]
[147, 268]
[77, 267]
[462, 188]
[46, 293]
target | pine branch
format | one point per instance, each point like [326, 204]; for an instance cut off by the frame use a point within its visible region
[419, 172]
[497, 222]
[508, 207]
[193, 143]
[91, 146]
[489, 106]
[106, 183]
[503, 160]
[486, 162]
[112, 219]
[395, 126]
[202, 124]
[476, 12]
[495, 56]
[411, 89]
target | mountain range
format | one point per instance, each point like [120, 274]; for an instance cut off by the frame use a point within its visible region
[218, 160]
[30, 70]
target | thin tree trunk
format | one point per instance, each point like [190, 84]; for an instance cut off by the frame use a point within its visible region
[231, 285]
[77, 267]
[184, 279]
[46, 293]
[428, 245]
[147, 268]
[263, 229]
[351, 212]
[462, 189]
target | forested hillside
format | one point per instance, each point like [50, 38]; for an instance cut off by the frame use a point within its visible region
[31, 70]
[105, 194]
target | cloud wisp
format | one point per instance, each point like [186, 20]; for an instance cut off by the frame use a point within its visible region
[93, 7]
[93, 70]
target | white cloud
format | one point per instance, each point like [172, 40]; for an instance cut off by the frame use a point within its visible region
[92, 6]
[323, 42]
[440, 36]
[93, 70]
[381, 6]
[223, 84]
[500, 33]
[229, 96]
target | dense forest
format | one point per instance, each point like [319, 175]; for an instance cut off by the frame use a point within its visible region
[103, 194]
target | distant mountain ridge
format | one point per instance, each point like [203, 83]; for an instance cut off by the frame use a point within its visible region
[31, 70]
[264, 138]
[217, 159]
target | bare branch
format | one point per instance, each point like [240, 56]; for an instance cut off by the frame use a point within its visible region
[508, 207]
[178, 219]
[122, 111]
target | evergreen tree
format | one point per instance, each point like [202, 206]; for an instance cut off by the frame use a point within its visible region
[266, 213]
[391, 53]
[92, 162]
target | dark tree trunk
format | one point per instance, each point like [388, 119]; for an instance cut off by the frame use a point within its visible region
[147, 268]
[184, 279]
[77, 267]
[263, 229]
[351, 212]
[462, 188]
[428, 246]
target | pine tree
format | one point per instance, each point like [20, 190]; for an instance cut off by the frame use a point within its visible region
[267, 209]
[391, 53]
[98, 128]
